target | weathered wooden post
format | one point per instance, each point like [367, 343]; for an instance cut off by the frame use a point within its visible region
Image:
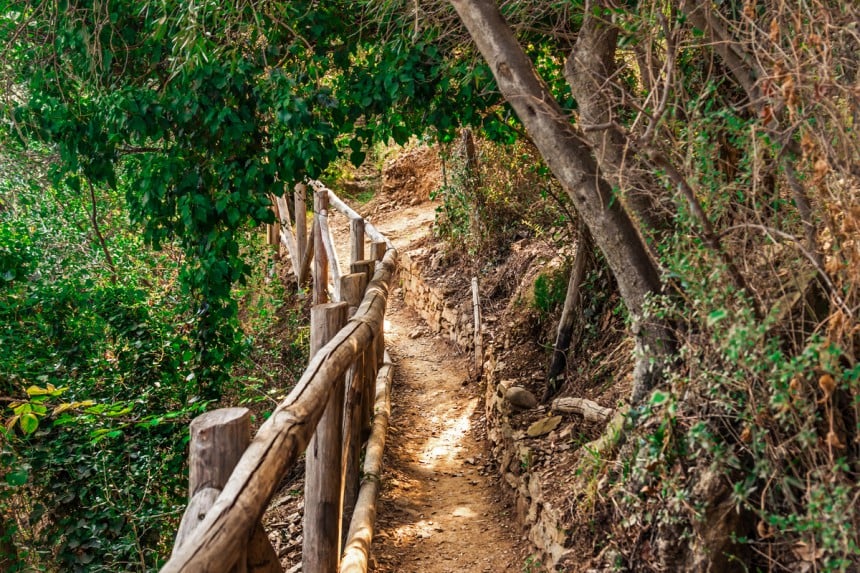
[369, 358]
[323, 459]
[365, 266]
[218, 440]
[377, 250]
[356, 243]
[273, 230]
[331, 254]
[301, 222]
[356, 555]
[352, 288]
[320, 295]
[479, 336]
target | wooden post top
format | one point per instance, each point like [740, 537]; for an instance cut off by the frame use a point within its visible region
[219, 417]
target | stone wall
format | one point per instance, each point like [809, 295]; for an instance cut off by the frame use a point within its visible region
[455, 322]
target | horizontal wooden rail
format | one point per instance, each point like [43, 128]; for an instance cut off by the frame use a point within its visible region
[338, 204]
[356, 555]
[220, 538]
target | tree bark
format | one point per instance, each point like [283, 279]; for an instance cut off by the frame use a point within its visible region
[589, 71]
[569, 156]
[568, 313]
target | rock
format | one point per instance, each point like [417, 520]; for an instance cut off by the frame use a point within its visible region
[543, 426]
[417, 333]
[520, 397]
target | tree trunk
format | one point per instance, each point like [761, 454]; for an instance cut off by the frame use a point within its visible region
[569, 156]
[589, 71]
[568, 314]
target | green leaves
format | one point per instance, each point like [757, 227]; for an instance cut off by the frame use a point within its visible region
[29, 423]
[658, 398]
[716, 316]
[17, 477]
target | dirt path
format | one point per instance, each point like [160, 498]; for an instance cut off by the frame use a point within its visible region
[441, 508]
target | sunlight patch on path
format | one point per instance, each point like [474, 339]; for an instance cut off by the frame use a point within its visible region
[447, 446]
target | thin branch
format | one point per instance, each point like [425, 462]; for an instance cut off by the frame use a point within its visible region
[811, 256]
[95, 221]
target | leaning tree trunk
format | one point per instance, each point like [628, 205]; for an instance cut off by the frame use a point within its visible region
[568, 314]
[569, 156]
[589, 71]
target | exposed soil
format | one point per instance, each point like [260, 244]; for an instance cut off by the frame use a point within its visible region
[441, 509]
[442, 506]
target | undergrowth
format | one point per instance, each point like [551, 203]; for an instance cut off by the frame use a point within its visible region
[97, 380]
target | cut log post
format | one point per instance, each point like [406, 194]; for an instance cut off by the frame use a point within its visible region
[356, 240]
[352, 288]
[379, 345]
[367, 392]
[366, 266]
[331, 254]
[479, 335]
[323, 459]
[352, 434]
[377, 250]
[218, 440]
[591, 411]
[305, 269]
[301, 230]
[356, 554]
[275, 228]
[320, 295]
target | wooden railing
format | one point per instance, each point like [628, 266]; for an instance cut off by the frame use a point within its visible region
[342, 397]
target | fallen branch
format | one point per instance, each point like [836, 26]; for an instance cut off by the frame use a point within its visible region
[591, 411]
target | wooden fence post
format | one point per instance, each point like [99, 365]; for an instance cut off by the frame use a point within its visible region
[218, 440]
[331, 254]
[479, 336]
[356, 555]
[356, 234]
[368, 392]
[352, 288]
[301, 210]
[365, 266]
[320, 295]
[323, 459]
[377, 250]
[273, 234]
